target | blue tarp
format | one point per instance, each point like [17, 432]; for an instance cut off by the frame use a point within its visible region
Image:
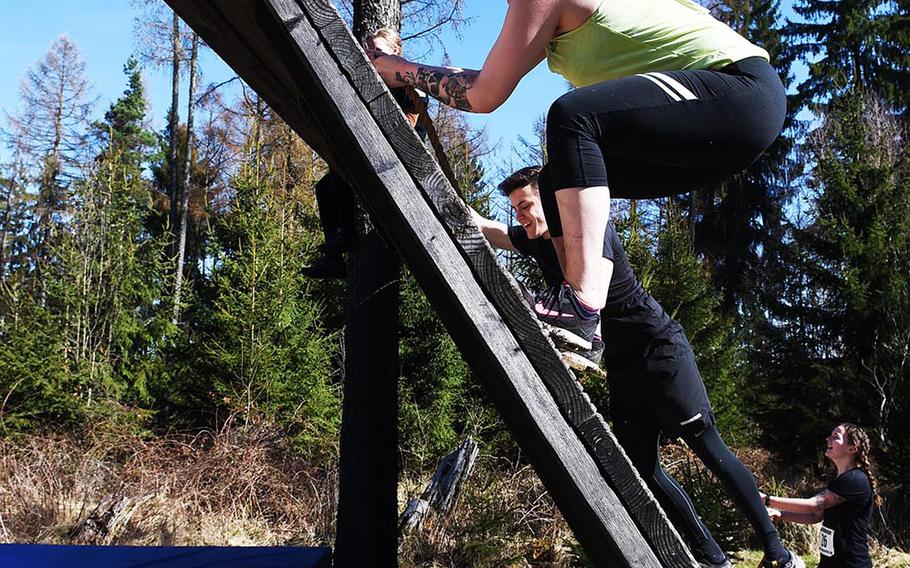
[51, 556]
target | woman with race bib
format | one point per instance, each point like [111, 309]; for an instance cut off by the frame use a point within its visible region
[844, 508]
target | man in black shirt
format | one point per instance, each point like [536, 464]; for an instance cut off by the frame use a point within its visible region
[655, 385]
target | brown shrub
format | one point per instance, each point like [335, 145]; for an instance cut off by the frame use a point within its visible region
[234, 487]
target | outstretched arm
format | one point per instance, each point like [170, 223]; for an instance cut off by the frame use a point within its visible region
[521, 45]
[806, 511]
[495, 232]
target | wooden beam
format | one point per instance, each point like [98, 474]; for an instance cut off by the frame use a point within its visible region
[324, 84]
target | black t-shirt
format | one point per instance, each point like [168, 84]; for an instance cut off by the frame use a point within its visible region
[845, 530]
[630, 320]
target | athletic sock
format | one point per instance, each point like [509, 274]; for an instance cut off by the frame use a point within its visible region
[583, 309]
[777, 551]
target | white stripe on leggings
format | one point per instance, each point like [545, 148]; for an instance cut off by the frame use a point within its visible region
[675, 85]
[690, 420]
[665, 89]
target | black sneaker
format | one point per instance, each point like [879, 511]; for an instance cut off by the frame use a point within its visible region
[586, 360]
[326, 267]
[565, 324]
[794, 562]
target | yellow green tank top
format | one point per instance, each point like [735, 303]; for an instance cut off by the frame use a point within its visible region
[625, 37]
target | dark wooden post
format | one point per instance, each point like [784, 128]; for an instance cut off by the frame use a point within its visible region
[366, 530]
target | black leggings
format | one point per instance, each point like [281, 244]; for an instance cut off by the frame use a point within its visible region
[661, 134]
[638, 432]
[335, 201]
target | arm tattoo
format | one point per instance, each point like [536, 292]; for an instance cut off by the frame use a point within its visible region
[450, 87]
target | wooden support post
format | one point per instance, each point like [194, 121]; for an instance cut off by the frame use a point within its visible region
[367, 524]
[366, 529]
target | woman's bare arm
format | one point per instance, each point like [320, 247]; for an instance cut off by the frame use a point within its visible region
[812, 506]
[521, 45]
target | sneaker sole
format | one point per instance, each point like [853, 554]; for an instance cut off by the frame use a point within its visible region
[580, 363]
[567, 337]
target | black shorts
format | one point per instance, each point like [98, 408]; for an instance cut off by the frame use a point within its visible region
[661, 134]
[661, 385]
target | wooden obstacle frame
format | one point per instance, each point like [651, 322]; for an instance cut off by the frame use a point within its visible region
[300, 57]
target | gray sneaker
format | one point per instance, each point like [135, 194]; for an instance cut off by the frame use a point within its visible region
[794, 562]
[586, 360]
[564, 323]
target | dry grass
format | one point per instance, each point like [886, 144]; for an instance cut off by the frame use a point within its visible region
[246, 487]
[504, 518]
[236, 487]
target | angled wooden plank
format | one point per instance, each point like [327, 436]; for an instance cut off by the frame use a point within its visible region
[608, 533]
[501, 288]
[271, 65]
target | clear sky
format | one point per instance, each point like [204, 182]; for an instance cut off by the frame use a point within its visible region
[103, 30]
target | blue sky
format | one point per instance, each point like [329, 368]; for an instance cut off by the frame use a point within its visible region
[103, 30]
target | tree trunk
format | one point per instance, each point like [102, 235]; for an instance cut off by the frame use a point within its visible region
[187, 171]
[173, 139]
[370, 15]
[367, 528]
[4, 225]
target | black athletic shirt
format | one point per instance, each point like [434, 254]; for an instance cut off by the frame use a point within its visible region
[845, 530]
[630, 320]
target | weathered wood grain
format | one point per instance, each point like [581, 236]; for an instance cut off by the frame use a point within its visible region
[500, 287]
[321, 103]
[482, 336]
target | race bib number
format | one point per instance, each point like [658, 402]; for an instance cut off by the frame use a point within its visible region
[826, 542]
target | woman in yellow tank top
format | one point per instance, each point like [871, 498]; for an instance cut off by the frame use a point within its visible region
[668, 100]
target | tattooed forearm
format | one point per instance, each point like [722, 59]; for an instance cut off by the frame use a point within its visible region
[449, 86]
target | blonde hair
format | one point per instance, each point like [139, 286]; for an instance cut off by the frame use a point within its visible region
[387, 34]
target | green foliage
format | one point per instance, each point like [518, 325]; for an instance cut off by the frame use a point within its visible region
[858, 255]
[34, 381]
[96, 325]
[434, 381]
[852, 45]
[261, 351]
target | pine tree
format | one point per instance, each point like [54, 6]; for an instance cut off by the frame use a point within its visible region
[258, 342]
[110, 275]
[858, 260]
[49, 135]
[852, 45]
